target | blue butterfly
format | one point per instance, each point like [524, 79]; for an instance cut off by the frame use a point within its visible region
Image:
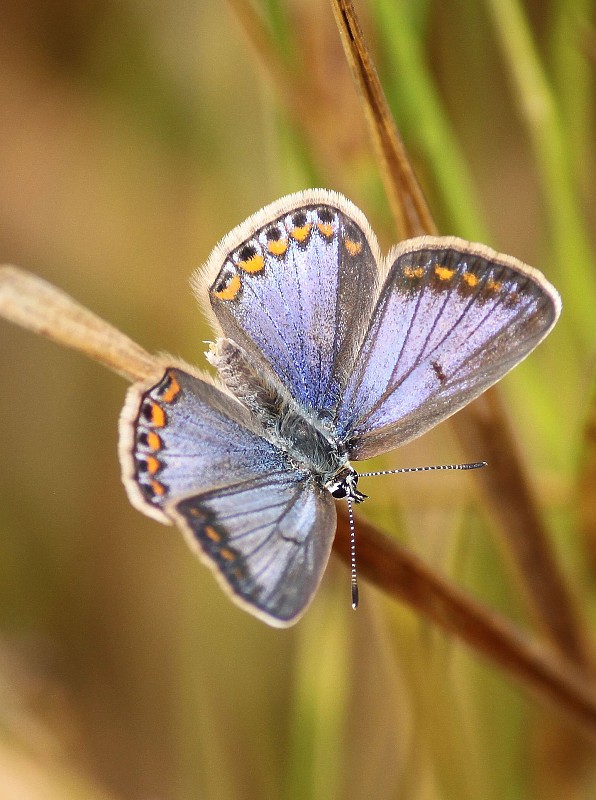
[327, 353]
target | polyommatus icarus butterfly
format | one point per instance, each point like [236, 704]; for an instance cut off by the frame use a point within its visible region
[329, 353]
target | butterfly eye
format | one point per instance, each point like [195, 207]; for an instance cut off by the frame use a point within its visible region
[345, 484]
[340, 491]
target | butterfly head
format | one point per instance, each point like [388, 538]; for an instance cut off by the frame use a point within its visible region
[344, 483]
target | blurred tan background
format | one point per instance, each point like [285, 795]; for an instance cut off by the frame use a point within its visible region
[133, 135]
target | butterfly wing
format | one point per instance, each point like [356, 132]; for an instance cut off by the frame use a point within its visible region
[294, 285]
[190, 454]
[268, 540]
[451, 319]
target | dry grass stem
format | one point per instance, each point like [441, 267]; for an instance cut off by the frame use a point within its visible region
[410, 209]
[36, 305]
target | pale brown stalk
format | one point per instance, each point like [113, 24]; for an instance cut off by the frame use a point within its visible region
[36, 305]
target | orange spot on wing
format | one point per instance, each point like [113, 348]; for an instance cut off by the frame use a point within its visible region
[158, 488]
[414, 272]
[230, 290]
[444, 273]
[301, 233]
[494, 286]
[212, 534]
[172, 390]
[253, 264]
[153, 465]
[228, 555]
[277, 247]
[470, 279]
[154, 441]
[326, 229]
[158, 415]
[353, 248]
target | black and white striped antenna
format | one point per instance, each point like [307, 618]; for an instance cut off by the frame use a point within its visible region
[400, 471]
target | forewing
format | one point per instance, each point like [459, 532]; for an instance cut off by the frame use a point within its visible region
[267, 539]
[452, 318]
[294, 285]
[190, 455]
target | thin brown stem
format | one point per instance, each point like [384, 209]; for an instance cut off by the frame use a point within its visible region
[410, 210]
[400, 574]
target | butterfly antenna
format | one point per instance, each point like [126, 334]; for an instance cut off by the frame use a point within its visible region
[402, 470]
[353, 553]
[354, 576]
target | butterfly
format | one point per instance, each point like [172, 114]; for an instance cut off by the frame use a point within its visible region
[326, 353]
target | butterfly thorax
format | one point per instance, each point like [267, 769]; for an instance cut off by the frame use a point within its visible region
[307, 439]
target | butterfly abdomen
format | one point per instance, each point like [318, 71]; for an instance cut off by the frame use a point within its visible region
[248, 384]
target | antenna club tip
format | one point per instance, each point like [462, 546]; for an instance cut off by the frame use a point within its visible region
[354, 597]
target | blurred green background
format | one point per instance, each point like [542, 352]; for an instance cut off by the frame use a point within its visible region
[133, 136]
